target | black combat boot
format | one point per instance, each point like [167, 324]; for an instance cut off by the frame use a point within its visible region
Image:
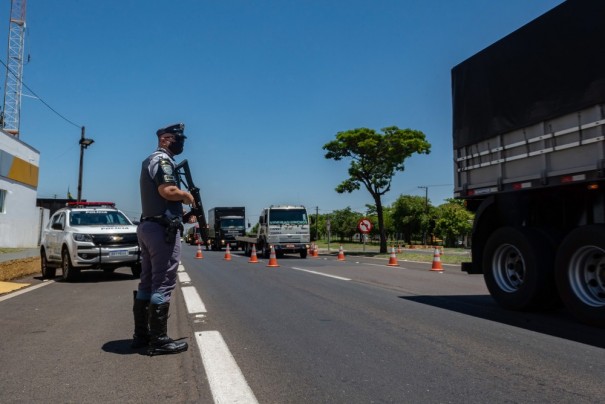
[140, 309]
[159, 342]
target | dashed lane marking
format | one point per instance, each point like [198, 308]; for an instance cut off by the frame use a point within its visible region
[227, 383]
[192, 300]
[322, 274]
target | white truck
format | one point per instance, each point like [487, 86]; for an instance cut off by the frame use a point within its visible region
[285, 227]
[529, 156]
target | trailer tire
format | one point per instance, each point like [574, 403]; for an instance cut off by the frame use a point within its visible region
[517, 268]
[580, 273]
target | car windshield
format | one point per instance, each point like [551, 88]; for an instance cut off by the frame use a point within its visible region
[289, 216]
[98, 217]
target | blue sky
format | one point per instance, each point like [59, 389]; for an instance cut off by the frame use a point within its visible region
[260, 85]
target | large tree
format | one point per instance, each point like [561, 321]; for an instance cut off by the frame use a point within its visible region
[410, 216]
[453, 221]
[374, 159]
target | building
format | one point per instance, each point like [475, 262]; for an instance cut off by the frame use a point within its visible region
[20, 219]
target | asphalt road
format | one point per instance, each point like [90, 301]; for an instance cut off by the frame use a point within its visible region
[311, 331]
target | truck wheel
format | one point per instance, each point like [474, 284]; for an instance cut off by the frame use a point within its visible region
[48, 272]
[517, 268]
[303, 253]
[69, 272]
[580, 274]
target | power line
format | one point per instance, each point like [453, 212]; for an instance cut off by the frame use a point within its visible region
[39, 98]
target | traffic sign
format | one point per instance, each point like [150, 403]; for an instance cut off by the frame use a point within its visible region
[365, 226]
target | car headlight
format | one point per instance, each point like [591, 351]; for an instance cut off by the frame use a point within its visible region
[82, 237]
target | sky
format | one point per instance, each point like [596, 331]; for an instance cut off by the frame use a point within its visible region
[261, 86]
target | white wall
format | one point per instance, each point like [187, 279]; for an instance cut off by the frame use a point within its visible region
[20, 220]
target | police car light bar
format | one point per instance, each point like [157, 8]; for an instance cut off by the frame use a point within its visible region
[88, 204]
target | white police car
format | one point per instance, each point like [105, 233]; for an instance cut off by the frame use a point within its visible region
[89, 235]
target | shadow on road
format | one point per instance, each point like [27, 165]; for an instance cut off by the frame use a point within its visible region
[557, 323]
[122, 347]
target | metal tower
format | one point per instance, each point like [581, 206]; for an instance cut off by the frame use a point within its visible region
[9, 118]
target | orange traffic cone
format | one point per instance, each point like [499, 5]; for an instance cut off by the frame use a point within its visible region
[393, 259]
[272, 258]
[228, 253]
[341, 254]
[198, 254]
[253, 258]
[436, 261]
[315, 251]
[398, 248]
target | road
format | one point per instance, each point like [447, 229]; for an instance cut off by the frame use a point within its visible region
[314, 330]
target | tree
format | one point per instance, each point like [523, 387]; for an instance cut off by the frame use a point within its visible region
[343, 223]
[375, 158]
[452, 221]
[409, 216]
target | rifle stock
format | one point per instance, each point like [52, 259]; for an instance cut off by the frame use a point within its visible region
[184, 174]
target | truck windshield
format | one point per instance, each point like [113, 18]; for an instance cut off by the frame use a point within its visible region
[231, 223]
[290, 216]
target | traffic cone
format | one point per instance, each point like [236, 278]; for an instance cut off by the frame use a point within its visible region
[272, 258]
[253, 258]
[228, 254]
[398, 248]
[198, 254]
[316, 251]
[341, 254]
[436, 261]
[393, 259]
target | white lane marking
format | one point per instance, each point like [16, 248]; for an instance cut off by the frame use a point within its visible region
[192, 300]
[181, 268]
[322, 274]
[20, 292]
[183, 277]
[227, 383]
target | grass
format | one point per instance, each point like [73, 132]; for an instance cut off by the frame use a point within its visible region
[421, 254]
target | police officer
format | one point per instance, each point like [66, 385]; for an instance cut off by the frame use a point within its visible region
[159, 235]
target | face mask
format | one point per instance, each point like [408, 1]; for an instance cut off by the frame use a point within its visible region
[176, 147]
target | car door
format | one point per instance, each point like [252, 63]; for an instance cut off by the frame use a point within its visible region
[55, 232]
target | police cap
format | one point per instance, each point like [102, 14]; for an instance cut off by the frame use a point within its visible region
[176, 129]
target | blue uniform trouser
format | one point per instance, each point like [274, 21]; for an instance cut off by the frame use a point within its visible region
[159, 262]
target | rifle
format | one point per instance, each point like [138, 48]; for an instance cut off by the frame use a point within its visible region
[184, 176]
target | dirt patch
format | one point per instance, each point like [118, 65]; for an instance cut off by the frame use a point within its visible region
[15, 269]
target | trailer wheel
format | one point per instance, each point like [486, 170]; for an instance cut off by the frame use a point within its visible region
[580, 273]
[517, 268]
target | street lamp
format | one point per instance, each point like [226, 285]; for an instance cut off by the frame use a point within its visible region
[84, 143]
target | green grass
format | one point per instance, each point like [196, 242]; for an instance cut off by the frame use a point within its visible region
[4, 250]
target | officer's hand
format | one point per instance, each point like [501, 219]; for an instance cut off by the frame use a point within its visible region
[188, 200]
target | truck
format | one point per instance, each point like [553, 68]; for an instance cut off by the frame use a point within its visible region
[284, 227]
[224, 225]
[529, 161]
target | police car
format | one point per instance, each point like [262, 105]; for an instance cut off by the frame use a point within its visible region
[88, 235]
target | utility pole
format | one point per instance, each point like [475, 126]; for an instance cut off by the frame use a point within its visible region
[317, 223]
[426, 210]
[84, 143]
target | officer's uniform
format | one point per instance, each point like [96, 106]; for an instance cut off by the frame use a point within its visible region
[159, 235]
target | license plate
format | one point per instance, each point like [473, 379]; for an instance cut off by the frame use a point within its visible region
[289, 245]
[120, 253]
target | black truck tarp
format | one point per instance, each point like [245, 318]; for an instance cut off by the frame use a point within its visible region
[552, 66]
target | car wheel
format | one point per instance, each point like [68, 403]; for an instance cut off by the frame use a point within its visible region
[48, 272]
[69, 272]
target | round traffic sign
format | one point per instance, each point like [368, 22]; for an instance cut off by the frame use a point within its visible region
[364, 226]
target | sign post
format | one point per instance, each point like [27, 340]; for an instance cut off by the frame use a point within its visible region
[365, 227]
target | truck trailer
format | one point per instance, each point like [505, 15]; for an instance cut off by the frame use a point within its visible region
[529, 161]
[284, 227]
[224, 225]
